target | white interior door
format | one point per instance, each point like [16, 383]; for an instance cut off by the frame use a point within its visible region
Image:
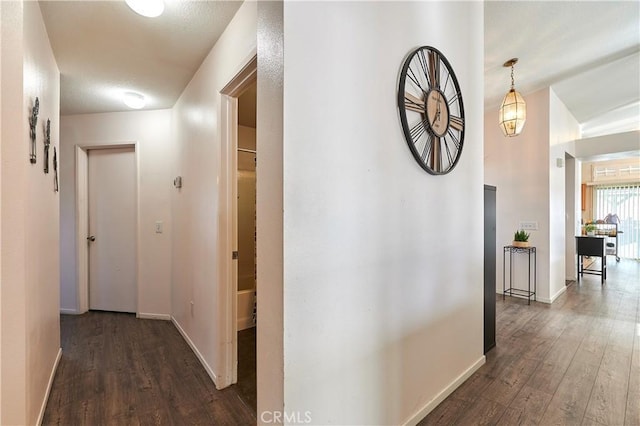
[112, 222]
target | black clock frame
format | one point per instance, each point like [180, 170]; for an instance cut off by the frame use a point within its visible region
[452, 142]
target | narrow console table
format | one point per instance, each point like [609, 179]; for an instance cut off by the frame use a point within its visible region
[592, 246]
[516, 291]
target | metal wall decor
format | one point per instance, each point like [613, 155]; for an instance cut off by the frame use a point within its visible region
[33, 121]
[55, 170]
[431, 110]
[47, 143]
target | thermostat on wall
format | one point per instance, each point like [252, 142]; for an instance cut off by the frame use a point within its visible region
[177, 182]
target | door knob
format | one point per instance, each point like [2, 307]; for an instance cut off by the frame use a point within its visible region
[91, 238]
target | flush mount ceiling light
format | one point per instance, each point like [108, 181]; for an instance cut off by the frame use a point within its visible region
[148, 8]
[513, 111]
[134, 100]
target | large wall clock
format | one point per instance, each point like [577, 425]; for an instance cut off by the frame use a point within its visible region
[431, 110]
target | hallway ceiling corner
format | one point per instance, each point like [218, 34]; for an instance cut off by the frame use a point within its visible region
[588, 52]
[103, 49]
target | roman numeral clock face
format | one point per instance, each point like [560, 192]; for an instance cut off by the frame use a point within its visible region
[431, 110]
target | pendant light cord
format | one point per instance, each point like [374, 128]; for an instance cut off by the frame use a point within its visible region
[512, 83]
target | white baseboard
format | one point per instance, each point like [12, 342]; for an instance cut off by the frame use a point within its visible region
[49, 385]
[68, 311]
[558, 294]
[143, 315]
[195, 350]
[422, 413]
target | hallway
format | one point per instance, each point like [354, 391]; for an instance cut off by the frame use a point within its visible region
[116, 369]
[574, 362]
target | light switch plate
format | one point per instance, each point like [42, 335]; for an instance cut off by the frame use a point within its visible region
[529, 225]
[159, 227]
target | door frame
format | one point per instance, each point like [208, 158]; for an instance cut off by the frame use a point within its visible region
[572, 210]
[228, 224]
[82, 227]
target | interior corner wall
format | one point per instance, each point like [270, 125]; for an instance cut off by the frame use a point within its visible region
[564, 129]
[270, 243]
[519, 167]
[383, 263]
[152, 132]
[197, 307]
[30, 336]
[573, 202]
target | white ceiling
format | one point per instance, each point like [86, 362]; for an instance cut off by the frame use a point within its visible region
[587, 51]
[103, 49]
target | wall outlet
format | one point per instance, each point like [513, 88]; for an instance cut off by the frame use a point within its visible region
[529, 225]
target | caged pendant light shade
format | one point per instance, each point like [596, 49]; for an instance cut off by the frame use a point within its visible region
[513, 110]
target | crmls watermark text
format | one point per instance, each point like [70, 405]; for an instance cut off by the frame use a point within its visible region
[287, 417]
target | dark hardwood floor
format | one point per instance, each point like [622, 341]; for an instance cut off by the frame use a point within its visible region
[246, 386]
[119, 370]
[575, 362]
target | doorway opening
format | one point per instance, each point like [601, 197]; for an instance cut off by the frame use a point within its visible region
[246, 245]
[238, 231]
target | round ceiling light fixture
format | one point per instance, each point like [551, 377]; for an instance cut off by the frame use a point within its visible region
[148, 8]
[134, 100]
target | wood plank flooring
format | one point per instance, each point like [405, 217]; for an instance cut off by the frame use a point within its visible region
[119, 370]
[247, 385]
[575, 362]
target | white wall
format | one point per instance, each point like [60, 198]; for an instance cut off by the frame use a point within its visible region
[519, 168]
[14, 168]
[1, 138]
[383, 263]
[617, 145]
[563, 131]
[269, 196]
[196, 207]
[30, 335]
[573, 203]
[531, 187]
[152, 132]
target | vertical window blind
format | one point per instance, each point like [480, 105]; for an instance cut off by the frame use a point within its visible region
[623, 201]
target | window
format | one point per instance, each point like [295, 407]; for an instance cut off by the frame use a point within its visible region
[623, 201]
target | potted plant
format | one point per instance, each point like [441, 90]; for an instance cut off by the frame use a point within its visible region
[520, 239]
[590, 229]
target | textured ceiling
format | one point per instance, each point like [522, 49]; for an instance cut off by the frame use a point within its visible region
[103, 49]
[586, 51]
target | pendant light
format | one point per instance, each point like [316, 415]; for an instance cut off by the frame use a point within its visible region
[513, 111]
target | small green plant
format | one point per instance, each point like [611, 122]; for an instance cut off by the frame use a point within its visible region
[590, 227]
[521, 236]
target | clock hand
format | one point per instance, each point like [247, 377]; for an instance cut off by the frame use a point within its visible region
[437, 115]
